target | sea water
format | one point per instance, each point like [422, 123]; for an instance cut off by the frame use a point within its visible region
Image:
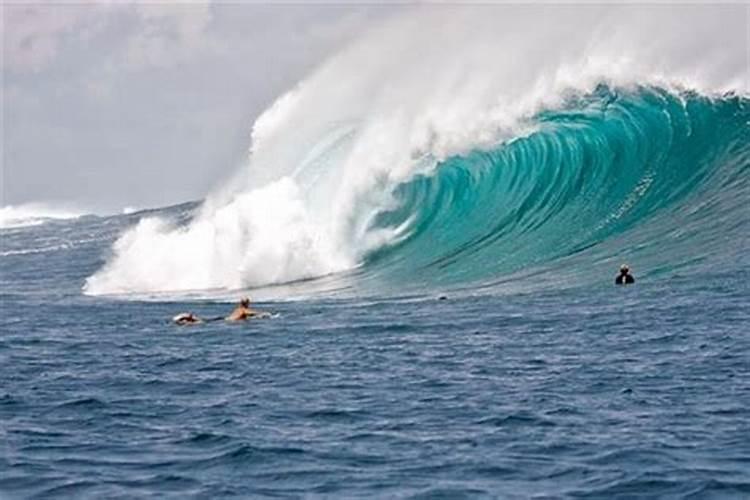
[437, 233]
[590, 391]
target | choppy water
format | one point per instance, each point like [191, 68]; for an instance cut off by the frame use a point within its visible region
[536, 377]
[589, 391]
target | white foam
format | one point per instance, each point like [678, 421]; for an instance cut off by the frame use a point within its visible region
[32, 214]
[435, 82]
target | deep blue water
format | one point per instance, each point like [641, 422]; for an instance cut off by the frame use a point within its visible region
[536, 378]
[592, 391]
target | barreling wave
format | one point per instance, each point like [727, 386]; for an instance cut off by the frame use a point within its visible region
[456, 164]
[642, 173]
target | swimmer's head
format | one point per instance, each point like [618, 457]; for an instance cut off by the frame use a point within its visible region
[624, 268]
[245, 301]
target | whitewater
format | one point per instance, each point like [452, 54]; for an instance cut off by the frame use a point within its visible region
[435, 217]
[331, 159]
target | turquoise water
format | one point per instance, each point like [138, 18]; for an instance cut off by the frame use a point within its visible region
[535, 377]
[619, 174]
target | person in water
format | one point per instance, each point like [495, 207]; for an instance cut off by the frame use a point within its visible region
[187, 319]
[240, 313]
[243, 311]
[624, 278]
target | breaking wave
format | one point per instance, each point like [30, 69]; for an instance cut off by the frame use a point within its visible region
[494, 143]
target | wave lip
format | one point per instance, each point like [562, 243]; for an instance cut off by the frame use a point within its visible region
[33, 214]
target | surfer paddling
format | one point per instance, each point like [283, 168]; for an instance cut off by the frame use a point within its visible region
[242, 312]
[187, 319]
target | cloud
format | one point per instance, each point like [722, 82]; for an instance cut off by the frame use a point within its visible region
[164, 34]
[32, 33]
[169, 34]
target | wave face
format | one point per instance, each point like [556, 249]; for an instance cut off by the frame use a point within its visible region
[642, 174]
[460, 163]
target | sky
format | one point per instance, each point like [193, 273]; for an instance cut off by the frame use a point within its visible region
[112, 105]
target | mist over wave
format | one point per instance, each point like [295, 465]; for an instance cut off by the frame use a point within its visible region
[456, 135]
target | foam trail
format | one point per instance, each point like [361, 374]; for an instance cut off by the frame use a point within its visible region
[437, 82]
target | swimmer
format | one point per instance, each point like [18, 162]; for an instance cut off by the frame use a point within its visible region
[624, 278]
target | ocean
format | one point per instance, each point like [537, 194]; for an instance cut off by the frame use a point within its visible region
[398, 379]
[439, 259]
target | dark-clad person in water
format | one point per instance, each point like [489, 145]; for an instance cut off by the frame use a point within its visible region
[624, 278]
